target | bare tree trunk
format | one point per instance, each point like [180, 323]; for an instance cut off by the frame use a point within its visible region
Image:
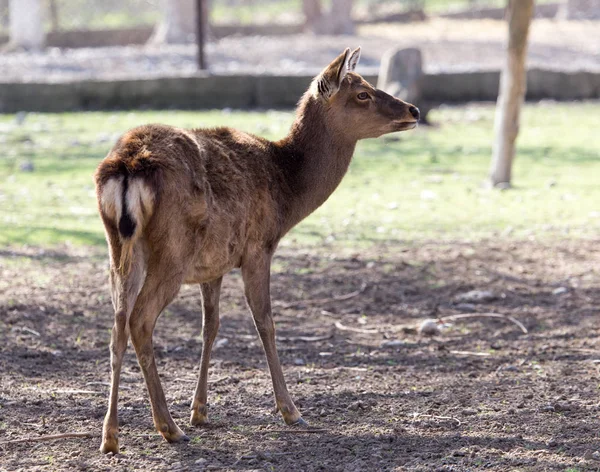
[312, 14]
[341, 17]
[513, 85]
[178, 23]
[26, 19]
[336, 21]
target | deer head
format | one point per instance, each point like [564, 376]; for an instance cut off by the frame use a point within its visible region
[354, 106]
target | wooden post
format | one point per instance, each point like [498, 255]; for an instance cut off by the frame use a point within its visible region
[513, 85]
[201, 32]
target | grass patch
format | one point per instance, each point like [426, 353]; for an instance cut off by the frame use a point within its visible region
[425, 184]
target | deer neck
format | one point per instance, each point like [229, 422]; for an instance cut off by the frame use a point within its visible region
[314, 158]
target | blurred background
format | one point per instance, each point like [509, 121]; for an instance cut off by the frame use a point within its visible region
[112, 39]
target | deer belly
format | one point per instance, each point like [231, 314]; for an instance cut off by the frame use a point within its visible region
[213, 260]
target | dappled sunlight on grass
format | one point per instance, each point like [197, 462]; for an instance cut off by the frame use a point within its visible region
[426, 184]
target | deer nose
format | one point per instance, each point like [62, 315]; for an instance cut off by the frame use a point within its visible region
[414, 111]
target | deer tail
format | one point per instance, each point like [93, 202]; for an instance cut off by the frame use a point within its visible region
[126, 203]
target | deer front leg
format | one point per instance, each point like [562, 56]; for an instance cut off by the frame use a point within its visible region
[161, 286]
[256, 276]
[210, 327]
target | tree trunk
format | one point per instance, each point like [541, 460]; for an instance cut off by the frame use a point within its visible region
[312, 14]
[336, 21]
[26, 19]
[513, 84]
[341, 17]
[178, 23]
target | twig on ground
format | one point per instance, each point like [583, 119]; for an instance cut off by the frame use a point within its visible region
[471, 353]
[321, 301]
[436, 417]
[341, 327]
[295, 431]
[307, 339]
[215, 381]
[462, 316]
[79, 392]
[49, 438]
[27, 330]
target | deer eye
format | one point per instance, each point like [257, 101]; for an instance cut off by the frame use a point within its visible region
[363, 96]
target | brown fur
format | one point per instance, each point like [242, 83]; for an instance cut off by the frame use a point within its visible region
[195, 204]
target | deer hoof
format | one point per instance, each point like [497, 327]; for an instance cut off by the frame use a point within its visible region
[199, 416]
[110, 443]
[176, 436]
[300, 422]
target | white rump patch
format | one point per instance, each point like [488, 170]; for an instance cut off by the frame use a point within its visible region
[140, 201]
[111, 197]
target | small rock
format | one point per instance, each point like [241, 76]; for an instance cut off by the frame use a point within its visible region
[458, 453]
[299, 361]
[221, 342]
[469, 411]
[476, 296]
[548, 408]
[596, 455]
[355, 406]
[552, 443]
[176, 465]
[323, 412]
[201, 461]
[429, 328]
[560, 290]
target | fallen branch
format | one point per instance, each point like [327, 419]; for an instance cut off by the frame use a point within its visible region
[321, 301]
[49, 438]
[341, 327]
[484, 315]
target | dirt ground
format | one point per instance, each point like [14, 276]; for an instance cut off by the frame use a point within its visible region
[378, 396]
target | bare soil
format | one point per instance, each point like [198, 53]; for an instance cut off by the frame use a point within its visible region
[378, 396]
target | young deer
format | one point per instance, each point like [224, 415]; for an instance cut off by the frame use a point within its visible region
[187, 206]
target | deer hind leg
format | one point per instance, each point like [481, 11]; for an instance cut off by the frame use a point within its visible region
[124, 290]
[210, 327]
[164, 279]
[256, 276]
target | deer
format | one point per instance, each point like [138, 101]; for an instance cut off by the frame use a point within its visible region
[190, 205]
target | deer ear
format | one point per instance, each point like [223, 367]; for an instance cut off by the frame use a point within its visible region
[328, 82]
[354, 58]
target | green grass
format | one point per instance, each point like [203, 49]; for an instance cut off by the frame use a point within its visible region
[423, 184]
